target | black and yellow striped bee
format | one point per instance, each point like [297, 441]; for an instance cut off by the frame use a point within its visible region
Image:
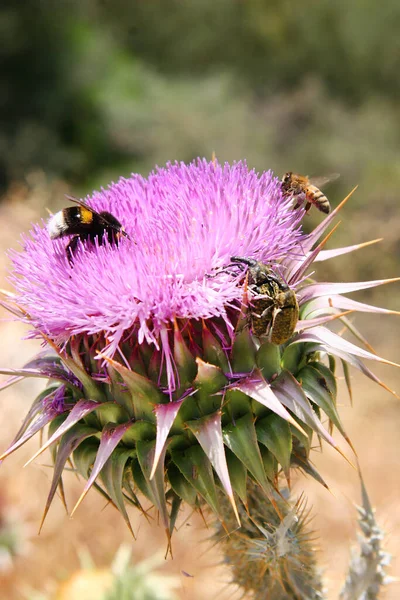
[85, 224]
[274, 308]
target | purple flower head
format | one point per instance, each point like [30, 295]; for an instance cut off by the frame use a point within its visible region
[183, 222]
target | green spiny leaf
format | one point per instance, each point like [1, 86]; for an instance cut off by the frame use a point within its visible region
[112, 476]
[145, 454]
[182, 487]
[237, 474]
[292, 357]
[243, 352]
[315, 388]
[213, 352]
[184, 360]
[276, 435]
[269, 462]
[268, 359]
[68, 443]
[241, 439]
[195, 466]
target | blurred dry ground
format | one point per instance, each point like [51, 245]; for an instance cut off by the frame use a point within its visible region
[372, 424]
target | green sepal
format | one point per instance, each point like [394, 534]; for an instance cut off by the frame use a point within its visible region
[304, 464]
[268, 359]
[209, 382]
[276, 435]
[184, 361]
[128, 485]
[315, 387]
[326, 373]
[304, 440]
[270, 463]
[86, 350]
[55, 424]
[157, 375]
[190, 409]
[92, 389]
[61, 453]
[144, 393]
[292, 357]
[111, 412]
[112, 475]
[176, 502]
[140, 480]
[135, 357]
[236, 405]
[347, 378]
[237, 474]
[209, 379]
[85, 455]
[195, 466]
[181, 486]
[139, 431]
[143, 353]
[241, 439]
[182, 441]
[243, 356]
[213, 352]
[117, 393]
[156, 485]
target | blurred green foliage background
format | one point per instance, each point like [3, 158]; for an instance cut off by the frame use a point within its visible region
[95, 89]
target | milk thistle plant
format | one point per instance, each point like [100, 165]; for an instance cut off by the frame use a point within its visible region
[158, 385]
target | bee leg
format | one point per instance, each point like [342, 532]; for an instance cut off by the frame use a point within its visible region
[301, 198]
[71, 247]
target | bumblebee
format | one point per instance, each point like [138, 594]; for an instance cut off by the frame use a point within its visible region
[85, 224]
[276, 312]
[302, 188]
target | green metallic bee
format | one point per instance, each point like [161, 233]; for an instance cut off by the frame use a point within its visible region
[276, 312]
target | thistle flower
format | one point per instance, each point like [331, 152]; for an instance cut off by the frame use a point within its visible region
[157, 382]
[271, 555]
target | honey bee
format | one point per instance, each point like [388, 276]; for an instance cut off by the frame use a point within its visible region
[303, 188]
[274, 306]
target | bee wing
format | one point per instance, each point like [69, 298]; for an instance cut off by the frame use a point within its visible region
[320, 182]
[100, 216]
[81, 203]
